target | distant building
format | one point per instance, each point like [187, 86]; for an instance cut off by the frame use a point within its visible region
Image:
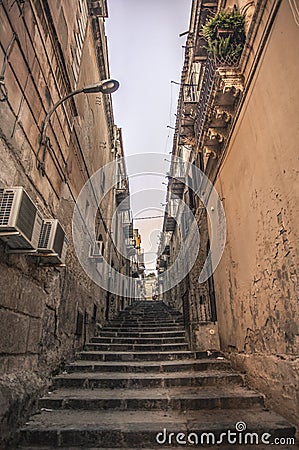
[150, 287]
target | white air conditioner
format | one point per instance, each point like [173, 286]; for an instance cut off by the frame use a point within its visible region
[20, 220]
[131, 251]
[96, 251]
[53, 242]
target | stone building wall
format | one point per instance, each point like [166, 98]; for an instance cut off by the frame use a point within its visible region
[49, 312]
[256, 282]
[247, 140]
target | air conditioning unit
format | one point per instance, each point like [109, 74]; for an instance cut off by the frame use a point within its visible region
[96, 251]
[20, 220]
[131, 251]
[52, 243]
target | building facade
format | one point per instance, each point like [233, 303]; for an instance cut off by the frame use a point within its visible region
[48, 310]
[237, 122]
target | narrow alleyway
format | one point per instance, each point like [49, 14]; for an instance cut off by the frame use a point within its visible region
[138, 379]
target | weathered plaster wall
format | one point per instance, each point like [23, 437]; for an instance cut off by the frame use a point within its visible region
[257, 281]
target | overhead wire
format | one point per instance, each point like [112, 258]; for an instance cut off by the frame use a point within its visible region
[295, 11]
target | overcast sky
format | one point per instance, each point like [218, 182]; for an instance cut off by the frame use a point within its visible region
[145, 54]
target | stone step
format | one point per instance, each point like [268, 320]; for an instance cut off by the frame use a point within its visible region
[112, 380]
[140, 328]
[136, 356]
[134, 340]
[149, 322]
[125, 399]
[154, 314]
[148, 366]
[146, 334]
[150, 313]
[223, 397]
[130, 429]
[171, 326]
[153, 318]
[136, 347]
[157, 316]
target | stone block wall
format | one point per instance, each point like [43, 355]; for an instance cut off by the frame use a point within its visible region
[48, 313]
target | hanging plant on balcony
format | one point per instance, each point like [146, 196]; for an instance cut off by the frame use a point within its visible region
[225, 34]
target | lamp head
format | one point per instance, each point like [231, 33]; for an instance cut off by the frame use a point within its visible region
[105, 86]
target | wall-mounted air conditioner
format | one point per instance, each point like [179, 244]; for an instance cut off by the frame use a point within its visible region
[52, 243]
[96, 251]
[20, 220]
[131, 251]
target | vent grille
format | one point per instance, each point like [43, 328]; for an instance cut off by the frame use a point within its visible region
[26, 216]
[59, 239]
[6, 201]
[45, 235]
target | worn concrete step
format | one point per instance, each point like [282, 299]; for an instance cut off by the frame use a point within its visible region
[154, 314]
[112, 380]
[148, 366]
[130, 326]
[150, 313]
[136, 347]
[220, 397]
[130, 429]
[139, 328]
[146, 317]
[134, 340]
[142, 334]
[145, 322]
[136, 356]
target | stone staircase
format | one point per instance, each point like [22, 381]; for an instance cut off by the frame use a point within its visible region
[138, 382]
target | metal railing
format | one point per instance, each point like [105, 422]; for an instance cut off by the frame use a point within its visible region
[205, 95]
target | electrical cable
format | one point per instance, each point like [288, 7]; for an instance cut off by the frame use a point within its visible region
[295, 11]
[147, 218]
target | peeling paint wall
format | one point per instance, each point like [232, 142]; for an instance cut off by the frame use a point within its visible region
[256, 282]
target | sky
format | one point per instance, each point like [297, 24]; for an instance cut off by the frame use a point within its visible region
[145, 55]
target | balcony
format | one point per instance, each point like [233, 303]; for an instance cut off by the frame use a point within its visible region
[221, 90]
[98, 8]
[166, 250]
[188, 110]
[163, 262]
[128, 230]
[207, 10]
[177, 179]
[170, 224]
[131, 251]
[122, 198]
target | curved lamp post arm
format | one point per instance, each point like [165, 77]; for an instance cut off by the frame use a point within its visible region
[105, 87]
[48, 116]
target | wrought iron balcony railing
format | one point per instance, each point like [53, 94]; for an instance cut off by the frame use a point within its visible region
[221, 85]
[205, 95]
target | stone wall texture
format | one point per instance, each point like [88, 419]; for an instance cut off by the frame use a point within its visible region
[47, 312]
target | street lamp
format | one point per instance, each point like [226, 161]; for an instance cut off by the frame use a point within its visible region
[105, 87]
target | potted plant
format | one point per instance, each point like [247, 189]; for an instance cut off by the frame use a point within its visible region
[225, 35]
